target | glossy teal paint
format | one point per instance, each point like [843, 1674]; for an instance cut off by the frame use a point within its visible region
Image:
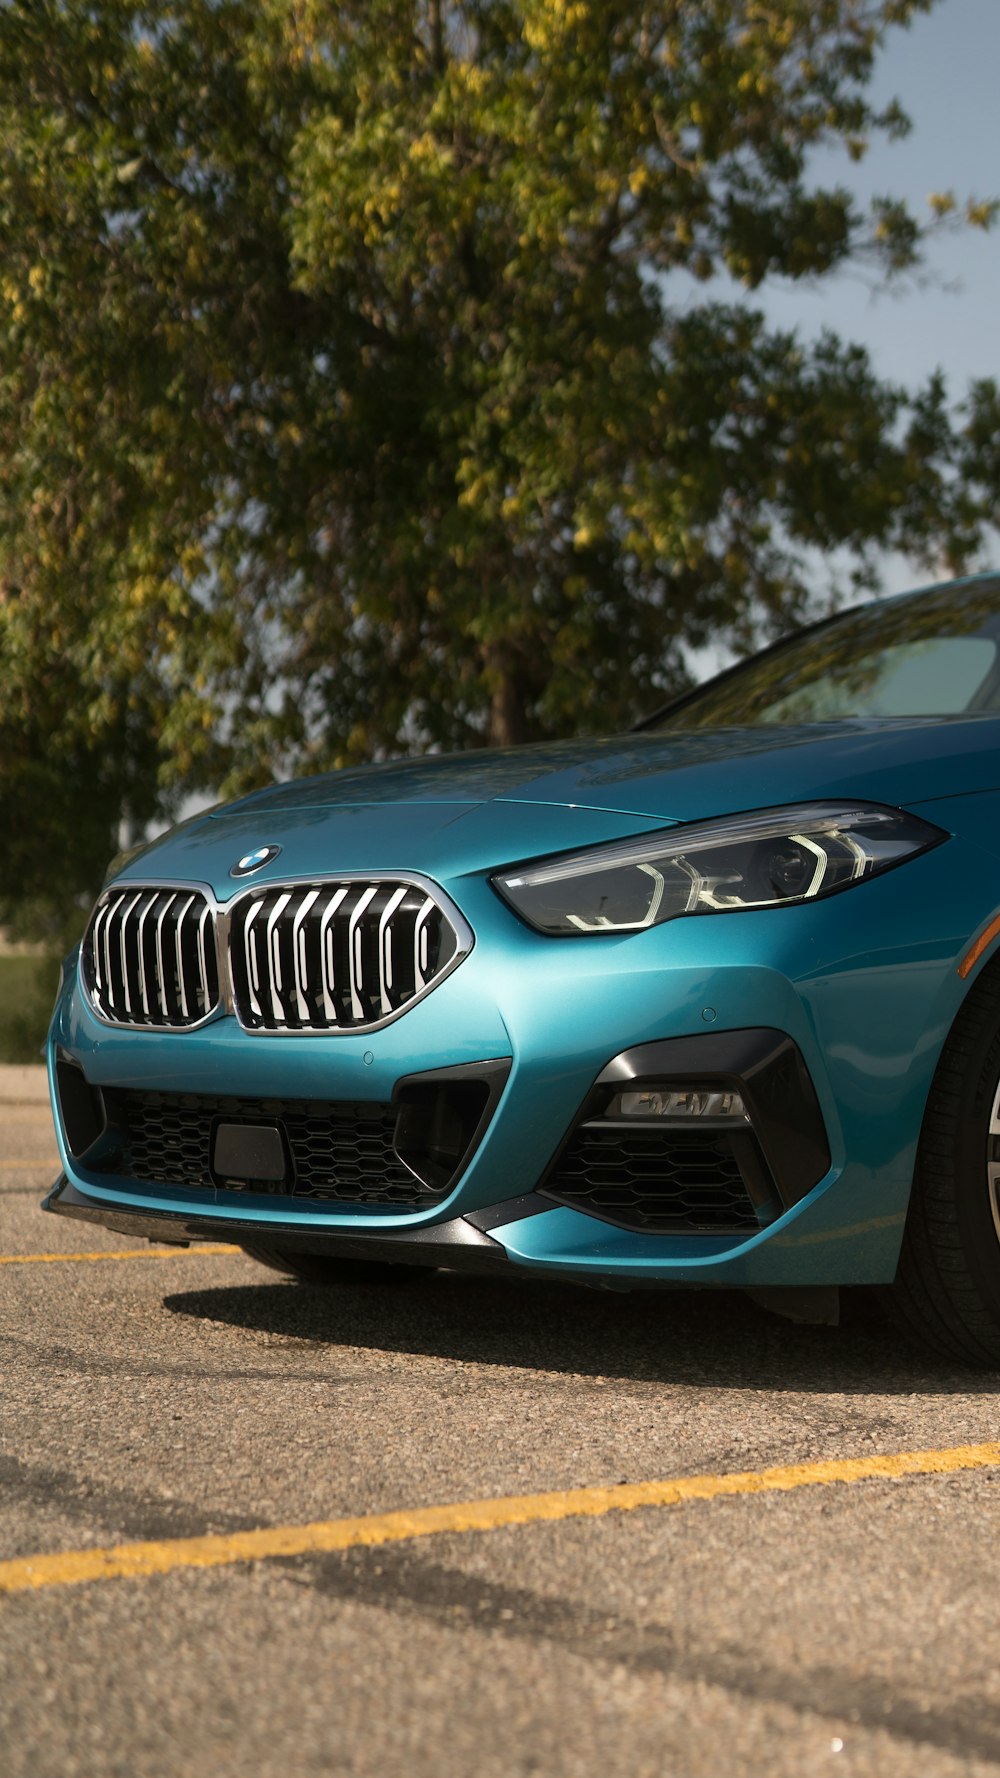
[854, 979]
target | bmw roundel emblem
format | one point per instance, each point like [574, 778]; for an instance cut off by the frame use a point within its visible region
[251, 861]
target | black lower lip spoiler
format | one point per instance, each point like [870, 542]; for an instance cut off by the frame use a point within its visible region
[456, 1243]
[461, 1244]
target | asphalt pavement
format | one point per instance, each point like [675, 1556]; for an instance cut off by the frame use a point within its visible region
[159, 1405]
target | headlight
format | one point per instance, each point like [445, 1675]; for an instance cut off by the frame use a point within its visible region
[767, 859]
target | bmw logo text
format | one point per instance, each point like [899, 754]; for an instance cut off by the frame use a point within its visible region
[251, 861]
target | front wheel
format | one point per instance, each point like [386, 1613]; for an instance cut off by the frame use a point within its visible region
[947, 1287]
[318, 1268]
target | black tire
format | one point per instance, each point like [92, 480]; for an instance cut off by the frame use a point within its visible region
[318, 1268]
[947, 1288]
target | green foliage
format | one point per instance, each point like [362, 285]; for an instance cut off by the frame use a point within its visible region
[362, 385]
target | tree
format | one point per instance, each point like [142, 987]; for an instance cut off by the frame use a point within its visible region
[366, 384]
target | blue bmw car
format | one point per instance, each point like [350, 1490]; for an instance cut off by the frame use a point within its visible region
[713, 1003]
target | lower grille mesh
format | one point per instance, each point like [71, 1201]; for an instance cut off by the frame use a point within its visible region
[341, 1152]
[660, 1181]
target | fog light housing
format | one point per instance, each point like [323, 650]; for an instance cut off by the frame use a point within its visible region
[683, 1104]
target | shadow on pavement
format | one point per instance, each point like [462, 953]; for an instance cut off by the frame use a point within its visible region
[716, 1339]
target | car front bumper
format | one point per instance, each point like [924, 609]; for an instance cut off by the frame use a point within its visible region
[852, 982]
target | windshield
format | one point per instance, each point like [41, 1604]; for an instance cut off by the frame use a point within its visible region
[932, 654]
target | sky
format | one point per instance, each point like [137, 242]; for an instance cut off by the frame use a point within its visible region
[945, 71]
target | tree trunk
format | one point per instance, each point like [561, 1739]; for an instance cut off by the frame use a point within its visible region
[507, 721]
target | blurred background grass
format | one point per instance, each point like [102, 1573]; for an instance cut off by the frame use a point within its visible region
[27, 990]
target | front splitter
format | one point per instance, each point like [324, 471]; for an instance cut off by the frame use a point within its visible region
[455, 1243]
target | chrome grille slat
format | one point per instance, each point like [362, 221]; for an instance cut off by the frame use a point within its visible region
[385, 947]
[323, 956]
[204, 998]
[340, 956]
[327, 969]
[107, 954]
[149, 957]
[274, 956]
[141, 934]
[250, 952]
[179, 955]
[100, 920]
[300, 956]
[161, 974]
[420, 941]
[123, 915]
[354, 946]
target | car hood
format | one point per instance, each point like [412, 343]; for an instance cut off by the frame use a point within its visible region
[677, 776]
[471, 811]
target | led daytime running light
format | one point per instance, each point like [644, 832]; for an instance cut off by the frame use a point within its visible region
[768, 858]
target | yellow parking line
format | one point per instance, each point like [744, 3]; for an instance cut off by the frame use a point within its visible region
[129, 1560]
[39, 1166]
[55, 1259]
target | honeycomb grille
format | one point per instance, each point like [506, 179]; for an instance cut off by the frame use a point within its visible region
[335, 956]
[341, 1152]
[149, 957]
[659, 1181]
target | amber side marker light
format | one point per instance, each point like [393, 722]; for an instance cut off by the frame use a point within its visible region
[972, 956]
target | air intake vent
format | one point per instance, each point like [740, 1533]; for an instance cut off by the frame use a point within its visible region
[336, 955]
[149, 958]
[656, 1182]
[341, 1153]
